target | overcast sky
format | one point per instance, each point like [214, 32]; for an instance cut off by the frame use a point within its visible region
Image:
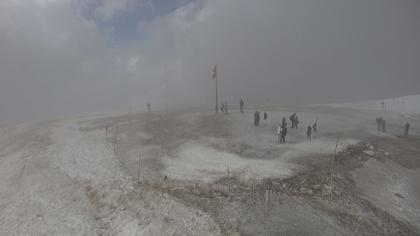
[61, 57]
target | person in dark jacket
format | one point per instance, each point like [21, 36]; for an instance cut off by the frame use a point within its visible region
[296, 122]
[241, 105]
[256, 118]
[283, 133]
[379, 123]
[309, 133]
[292, 120]
[406, 128]
[265, 116]
[283, 122]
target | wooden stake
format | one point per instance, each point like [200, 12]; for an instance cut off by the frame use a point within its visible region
[138, 176]
[332, 166]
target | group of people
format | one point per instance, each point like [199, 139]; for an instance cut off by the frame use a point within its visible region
[224, 107]
[295, 121]
[257, 117]
[381, 124]
[282, 129]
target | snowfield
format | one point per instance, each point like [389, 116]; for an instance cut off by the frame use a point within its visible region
[194, 173]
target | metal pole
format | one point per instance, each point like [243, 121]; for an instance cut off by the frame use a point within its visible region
[217, 100]
[138, 176]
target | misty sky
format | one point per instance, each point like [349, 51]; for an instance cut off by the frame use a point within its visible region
[61, 57]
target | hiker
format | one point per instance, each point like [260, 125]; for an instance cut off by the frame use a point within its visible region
[149, 107]
[279, 133]
[226, 107]
[222, 107]
[296, 122]
[314, 127]
[265, 116]
[309, 133]
[283, 133]
[406, 128]
[241, 105]
[256, 118]
[379, 122]
[383, 126]
[283, 122]
[292, 119]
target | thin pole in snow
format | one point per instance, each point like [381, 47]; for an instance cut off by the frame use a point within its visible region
[138, 175]
[332, 166]
[217, 100]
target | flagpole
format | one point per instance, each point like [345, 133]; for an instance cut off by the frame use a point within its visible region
[217, 102]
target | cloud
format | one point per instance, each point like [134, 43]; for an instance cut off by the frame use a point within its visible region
[56, 60]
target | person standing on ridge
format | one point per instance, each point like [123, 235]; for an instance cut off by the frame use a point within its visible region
[315, 127]
[292, 119]
[406, 128]
[149, 107]
[309, 133]
[256, 118]
[241, 105]
[283, 132]
[379, 123]
[296, 122]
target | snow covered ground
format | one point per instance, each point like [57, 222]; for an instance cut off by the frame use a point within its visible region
[408, 105]
[82, 176]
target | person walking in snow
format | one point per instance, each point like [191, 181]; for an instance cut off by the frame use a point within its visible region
[309, 133]
[283, 122]
[283, 133]
[241, 105]
[296, 122]
[149, 107]
[315, 127]
[379, 123]
[222, 107]
[256, 118]
[265, 116]
[292, 120]
[279, 133]
[406, 128]
[226, 107]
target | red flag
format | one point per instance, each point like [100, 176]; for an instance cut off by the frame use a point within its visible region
[214, 70]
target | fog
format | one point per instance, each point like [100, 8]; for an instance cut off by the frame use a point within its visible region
[68, 57]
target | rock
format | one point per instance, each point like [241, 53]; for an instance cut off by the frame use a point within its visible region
[306, 191]
[283, 188]
[316, 187]
[326, 190]
[369, 152]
